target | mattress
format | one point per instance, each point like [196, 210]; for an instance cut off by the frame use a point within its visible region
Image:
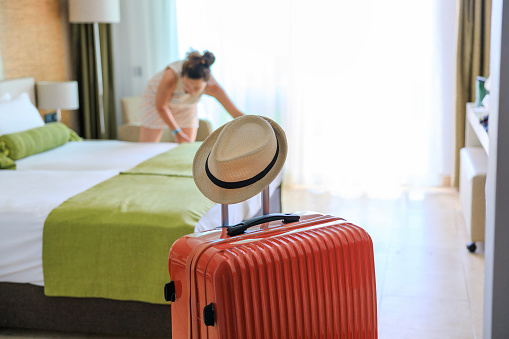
[43, 181]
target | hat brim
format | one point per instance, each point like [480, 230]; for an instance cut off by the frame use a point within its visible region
[232, 196]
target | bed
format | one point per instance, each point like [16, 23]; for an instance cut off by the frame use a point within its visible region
[48, 185]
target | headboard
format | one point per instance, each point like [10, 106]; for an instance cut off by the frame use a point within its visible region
[17, 86]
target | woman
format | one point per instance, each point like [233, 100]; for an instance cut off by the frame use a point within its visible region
[171, 98]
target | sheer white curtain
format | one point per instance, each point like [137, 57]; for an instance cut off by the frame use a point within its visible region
[362, 88]
[252, 47]
[144, 42]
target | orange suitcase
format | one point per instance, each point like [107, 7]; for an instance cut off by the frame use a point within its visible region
[307, 278]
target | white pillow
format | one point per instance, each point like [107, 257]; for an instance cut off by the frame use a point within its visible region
[5, 97]
[19, 115]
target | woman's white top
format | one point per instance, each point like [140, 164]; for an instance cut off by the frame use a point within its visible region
[183, 106]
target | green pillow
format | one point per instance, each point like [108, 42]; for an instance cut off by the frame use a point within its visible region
[36, 140]
[6, 162]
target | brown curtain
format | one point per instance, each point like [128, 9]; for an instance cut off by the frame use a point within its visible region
[473, 58]
[83, 51]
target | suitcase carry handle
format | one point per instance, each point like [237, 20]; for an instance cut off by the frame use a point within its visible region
[240, 228]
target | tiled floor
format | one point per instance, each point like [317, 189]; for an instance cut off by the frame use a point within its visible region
[428, 284]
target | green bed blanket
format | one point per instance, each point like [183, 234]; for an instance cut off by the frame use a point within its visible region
[112, 241]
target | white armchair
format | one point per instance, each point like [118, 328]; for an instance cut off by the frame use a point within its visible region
[130, 129]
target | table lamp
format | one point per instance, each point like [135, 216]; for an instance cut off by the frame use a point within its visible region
[57, 95]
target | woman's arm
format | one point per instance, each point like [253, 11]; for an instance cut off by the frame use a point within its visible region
[164, 93]
[215, 90]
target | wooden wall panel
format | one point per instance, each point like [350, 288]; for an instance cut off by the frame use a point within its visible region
[34, 41]
[31, 39]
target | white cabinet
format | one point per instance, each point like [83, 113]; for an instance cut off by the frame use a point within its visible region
[473, 170]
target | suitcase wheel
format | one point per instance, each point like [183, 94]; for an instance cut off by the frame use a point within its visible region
[471, 246]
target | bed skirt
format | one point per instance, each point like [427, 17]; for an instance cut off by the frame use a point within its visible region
[25, 306]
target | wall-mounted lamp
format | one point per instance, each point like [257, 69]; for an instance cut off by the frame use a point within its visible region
[57, 95]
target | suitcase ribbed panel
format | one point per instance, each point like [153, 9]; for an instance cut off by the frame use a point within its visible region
[314, 284]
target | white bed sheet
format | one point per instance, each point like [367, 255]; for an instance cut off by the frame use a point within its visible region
[27, 197]
[94, 155]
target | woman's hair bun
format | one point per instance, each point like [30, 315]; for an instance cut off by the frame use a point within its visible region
[196, 65]
[208, 58]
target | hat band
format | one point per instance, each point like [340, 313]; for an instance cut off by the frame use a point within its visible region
[242, 183]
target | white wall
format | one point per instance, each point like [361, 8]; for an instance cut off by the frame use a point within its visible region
[496, 278]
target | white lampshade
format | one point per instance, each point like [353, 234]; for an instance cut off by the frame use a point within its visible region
[89, 11]
[57, 95]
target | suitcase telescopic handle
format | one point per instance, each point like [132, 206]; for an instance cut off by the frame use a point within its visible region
[240, 228]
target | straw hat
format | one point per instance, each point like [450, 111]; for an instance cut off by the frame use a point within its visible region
[239, 159]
